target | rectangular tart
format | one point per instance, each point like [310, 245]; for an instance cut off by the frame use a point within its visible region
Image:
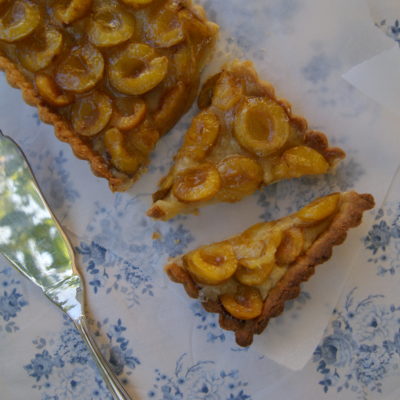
[111, 76]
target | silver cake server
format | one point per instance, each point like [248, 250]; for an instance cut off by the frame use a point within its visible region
[33, 241]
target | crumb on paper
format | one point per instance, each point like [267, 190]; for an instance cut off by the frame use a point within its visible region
[156, 236]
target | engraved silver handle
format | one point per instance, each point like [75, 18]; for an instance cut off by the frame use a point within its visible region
[60, 281]
[115, 387]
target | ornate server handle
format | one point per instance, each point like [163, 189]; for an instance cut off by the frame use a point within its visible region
[117, 390]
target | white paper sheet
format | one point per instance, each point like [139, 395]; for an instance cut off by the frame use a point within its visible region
[379, 78]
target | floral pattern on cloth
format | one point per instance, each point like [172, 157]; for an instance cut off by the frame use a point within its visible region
[64, 359]
[157, 240]
[384, 239]
[201, 381]
[362, 347]
[107, 272]
[294, 194]
[57, 183]
[208, 323]
[391, 28]
[12, 300]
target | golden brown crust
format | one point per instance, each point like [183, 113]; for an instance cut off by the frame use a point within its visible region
[156, 212]
[349, 216]
[81, 150]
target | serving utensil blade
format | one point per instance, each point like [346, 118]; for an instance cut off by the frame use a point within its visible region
[34, 242]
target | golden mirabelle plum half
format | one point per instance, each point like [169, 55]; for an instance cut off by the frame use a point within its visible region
[291, 246]
[91, 114]
[240, 176]
[49, 90]
[128, 113]
[110, 25]
[81, 70]
[256, 276]
[298, 161]
[144, 138]
[245, 304]
[19, 19]
[227, 92]
[319, 209]
[137, 69]
[37, 52]
[68, 11]
[261, 126]
[121, 158]
[196, 184]
[167, 113]
[165, 29]
[212, 265]
[201, 136]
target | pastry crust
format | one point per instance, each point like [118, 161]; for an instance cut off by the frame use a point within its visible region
[166, 205]
[83, 148]
[348, 216]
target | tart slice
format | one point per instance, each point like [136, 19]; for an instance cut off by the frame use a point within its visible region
[243, 138]
[248, 278]
[112, 76]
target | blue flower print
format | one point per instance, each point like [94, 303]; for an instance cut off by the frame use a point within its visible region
[173, 237]
[63, 368]
[72, 349]
[108, 271]
[372, 366]
[55, 179]
[319, 68]
[10, 304]
[11, 300]
[173, 242]
[35, 116]
[378, 237]
[42, 365]
[372, 321]
[396, 227]
[208, 322]
[200, 381]
[240, 396]
[336, 349]
[391, 29]
[120, 355]
[383, 240]
[393, 347]
[206, 387]
[356, 356]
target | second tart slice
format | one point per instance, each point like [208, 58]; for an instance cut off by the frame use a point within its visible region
[243, 138]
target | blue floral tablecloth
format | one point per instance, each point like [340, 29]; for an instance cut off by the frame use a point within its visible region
[161, 344]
